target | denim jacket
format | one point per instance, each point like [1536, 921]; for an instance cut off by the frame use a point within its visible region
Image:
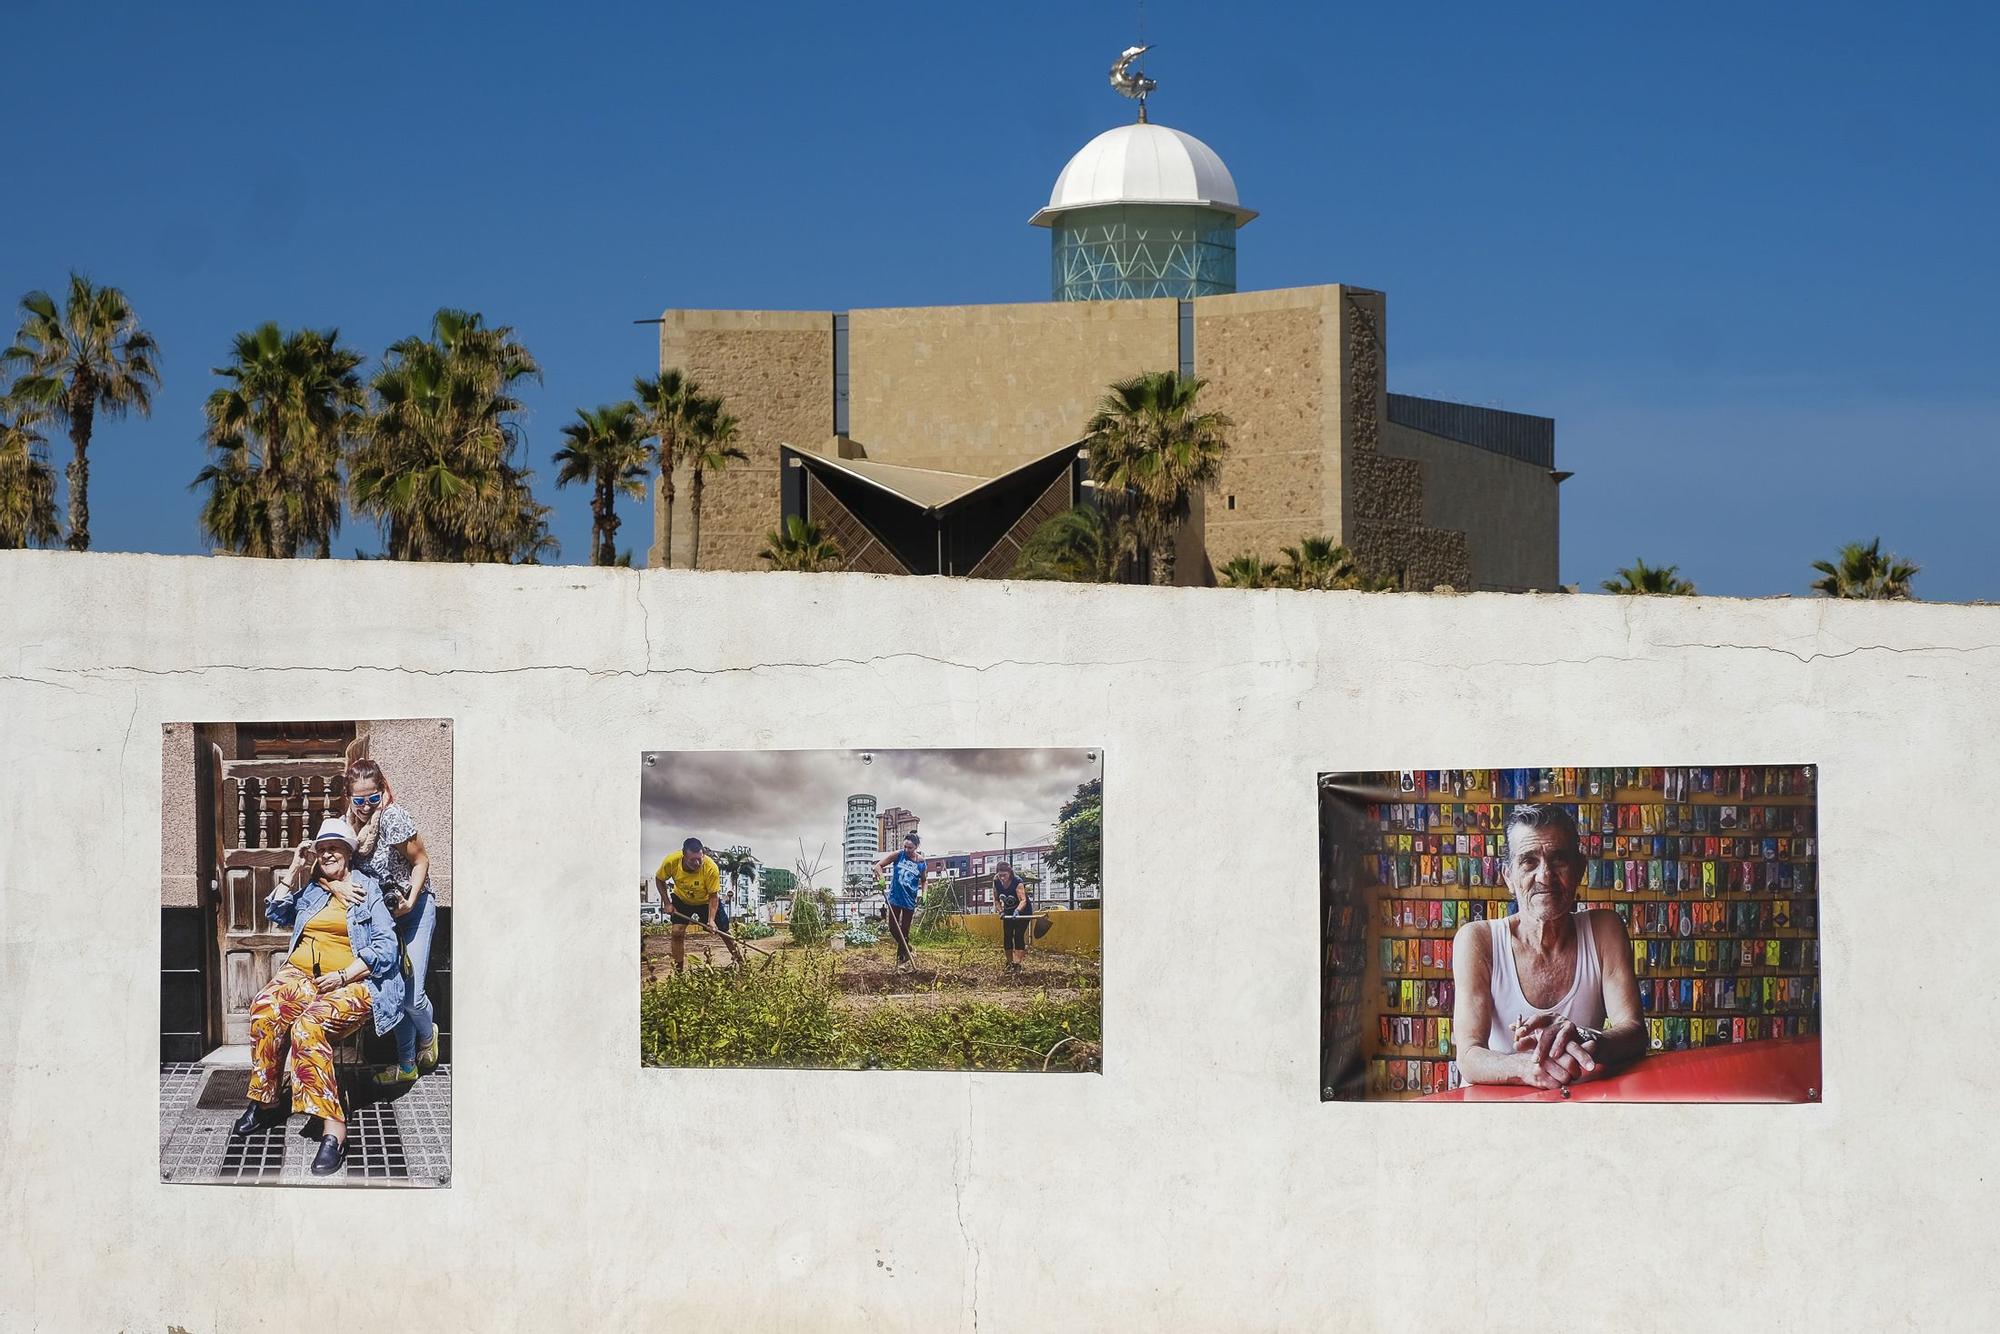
[371, 931]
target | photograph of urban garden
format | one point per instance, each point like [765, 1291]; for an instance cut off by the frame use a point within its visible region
[891, 909]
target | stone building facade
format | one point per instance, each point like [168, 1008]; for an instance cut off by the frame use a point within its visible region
[1426, 492]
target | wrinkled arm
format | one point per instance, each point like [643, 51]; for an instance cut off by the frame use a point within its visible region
[1624, 1037]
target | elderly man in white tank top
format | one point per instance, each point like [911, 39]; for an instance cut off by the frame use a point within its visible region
[1545, 997]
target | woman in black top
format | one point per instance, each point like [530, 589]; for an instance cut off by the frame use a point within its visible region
[1010, 900]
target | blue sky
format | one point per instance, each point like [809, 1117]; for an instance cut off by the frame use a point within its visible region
[1744, 255]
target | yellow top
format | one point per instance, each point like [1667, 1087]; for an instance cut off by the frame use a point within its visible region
[691, 886]
[323, 945]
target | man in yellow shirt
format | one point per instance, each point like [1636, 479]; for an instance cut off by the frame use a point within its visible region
[691, 885]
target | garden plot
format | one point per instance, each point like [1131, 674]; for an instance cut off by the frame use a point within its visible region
[957, 1007]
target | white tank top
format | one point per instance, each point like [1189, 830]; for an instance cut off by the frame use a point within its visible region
[1582, 1005]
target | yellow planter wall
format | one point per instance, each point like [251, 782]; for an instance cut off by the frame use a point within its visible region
[1072, 932]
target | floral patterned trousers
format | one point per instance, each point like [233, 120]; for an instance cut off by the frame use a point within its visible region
[291, 1007]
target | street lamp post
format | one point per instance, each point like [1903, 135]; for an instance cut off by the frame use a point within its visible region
[1002, 831]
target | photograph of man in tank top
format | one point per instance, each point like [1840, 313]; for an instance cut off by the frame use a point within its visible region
[1545, 996]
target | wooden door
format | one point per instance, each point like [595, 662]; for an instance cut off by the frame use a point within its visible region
[262, 809]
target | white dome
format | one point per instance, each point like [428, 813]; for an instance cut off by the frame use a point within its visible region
[1143, 164]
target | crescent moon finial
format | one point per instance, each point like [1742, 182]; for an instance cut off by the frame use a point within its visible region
[1131, 82]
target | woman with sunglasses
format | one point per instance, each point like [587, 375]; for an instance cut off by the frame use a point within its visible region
[345, 966]
[389, 848]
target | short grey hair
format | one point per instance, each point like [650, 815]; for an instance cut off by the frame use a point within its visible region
[1543, 815]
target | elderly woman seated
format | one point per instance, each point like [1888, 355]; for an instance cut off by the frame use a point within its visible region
[345, 966]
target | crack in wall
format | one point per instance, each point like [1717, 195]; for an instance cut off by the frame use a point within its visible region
[112, 671]
[1802, 658]
[961, 1176]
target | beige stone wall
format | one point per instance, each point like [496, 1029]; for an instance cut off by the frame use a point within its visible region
[1382, 495]
[415, 755]
[986, 388]
[1272, 362]
[1302, 372]
[1508, 510]
[774, 371]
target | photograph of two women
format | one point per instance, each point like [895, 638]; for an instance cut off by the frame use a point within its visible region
[305, 907]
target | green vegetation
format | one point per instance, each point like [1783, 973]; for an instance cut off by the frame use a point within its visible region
[807, 920]
[1641, 579]
[1077, 862]
[933, 924]
[74, 361]
[1151, 450]
[671, 401]
[1082, 545]
[607, 452]
[790, 1016]
[438, 463]
[278, 429]
[27, 485]
[1247, 571]
[714, 1016]
[710, 447]
[800, 546]
[1862, 571]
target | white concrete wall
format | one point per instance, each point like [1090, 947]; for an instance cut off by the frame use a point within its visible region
[1200, 1184]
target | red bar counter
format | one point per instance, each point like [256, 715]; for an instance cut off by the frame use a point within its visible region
[1773, 1070]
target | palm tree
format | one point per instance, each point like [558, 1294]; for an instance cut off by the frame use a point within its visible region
[670, 401]
[86, 356]
[1321, 563]
[800, 545]
[27, 484]
[734, 861]
[1248, 571]
[1082, 545]
[1149, 441]
[292, 402]
[710, 446]
[1639, 578]
[607, 450]
[1864, 572]
[235, 516]
[435, 465]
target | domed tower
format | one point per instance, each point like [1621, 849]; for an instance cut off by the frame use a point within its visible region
[1142, 211]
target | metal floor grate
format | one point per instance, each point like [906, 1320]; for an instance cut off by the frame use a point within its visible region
[375, 1145]
[254, 1157]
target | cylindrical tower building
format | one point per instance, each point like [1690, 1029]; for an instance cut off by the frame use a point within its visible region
[858, 840]
[1143, 211]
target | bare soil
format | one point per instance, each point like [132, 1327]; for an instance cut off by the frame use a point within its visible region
[867, 977]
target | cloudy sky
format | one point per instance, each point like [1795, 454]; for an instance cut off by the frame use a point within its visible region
[771, 799]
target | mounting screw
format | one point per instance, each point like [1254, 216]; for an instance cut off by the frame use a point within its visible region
[1565, 1090]
[649, 760]
[1326, 1094]
[1812, 1095]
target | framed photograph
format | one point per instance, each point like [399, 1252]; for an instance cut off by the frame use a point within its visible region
[1632, 934]
[305, 953]
[872, 909]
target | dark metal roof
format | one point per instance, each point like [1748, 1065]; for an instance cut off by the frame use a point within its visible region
[1513, 434]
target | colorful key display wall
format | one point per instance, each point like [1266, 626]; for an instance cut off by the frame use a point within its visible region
[1713, 870]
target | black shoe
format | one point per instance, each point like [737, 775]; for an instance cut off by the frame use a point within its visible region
[258, 1116]
[332, 1153]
